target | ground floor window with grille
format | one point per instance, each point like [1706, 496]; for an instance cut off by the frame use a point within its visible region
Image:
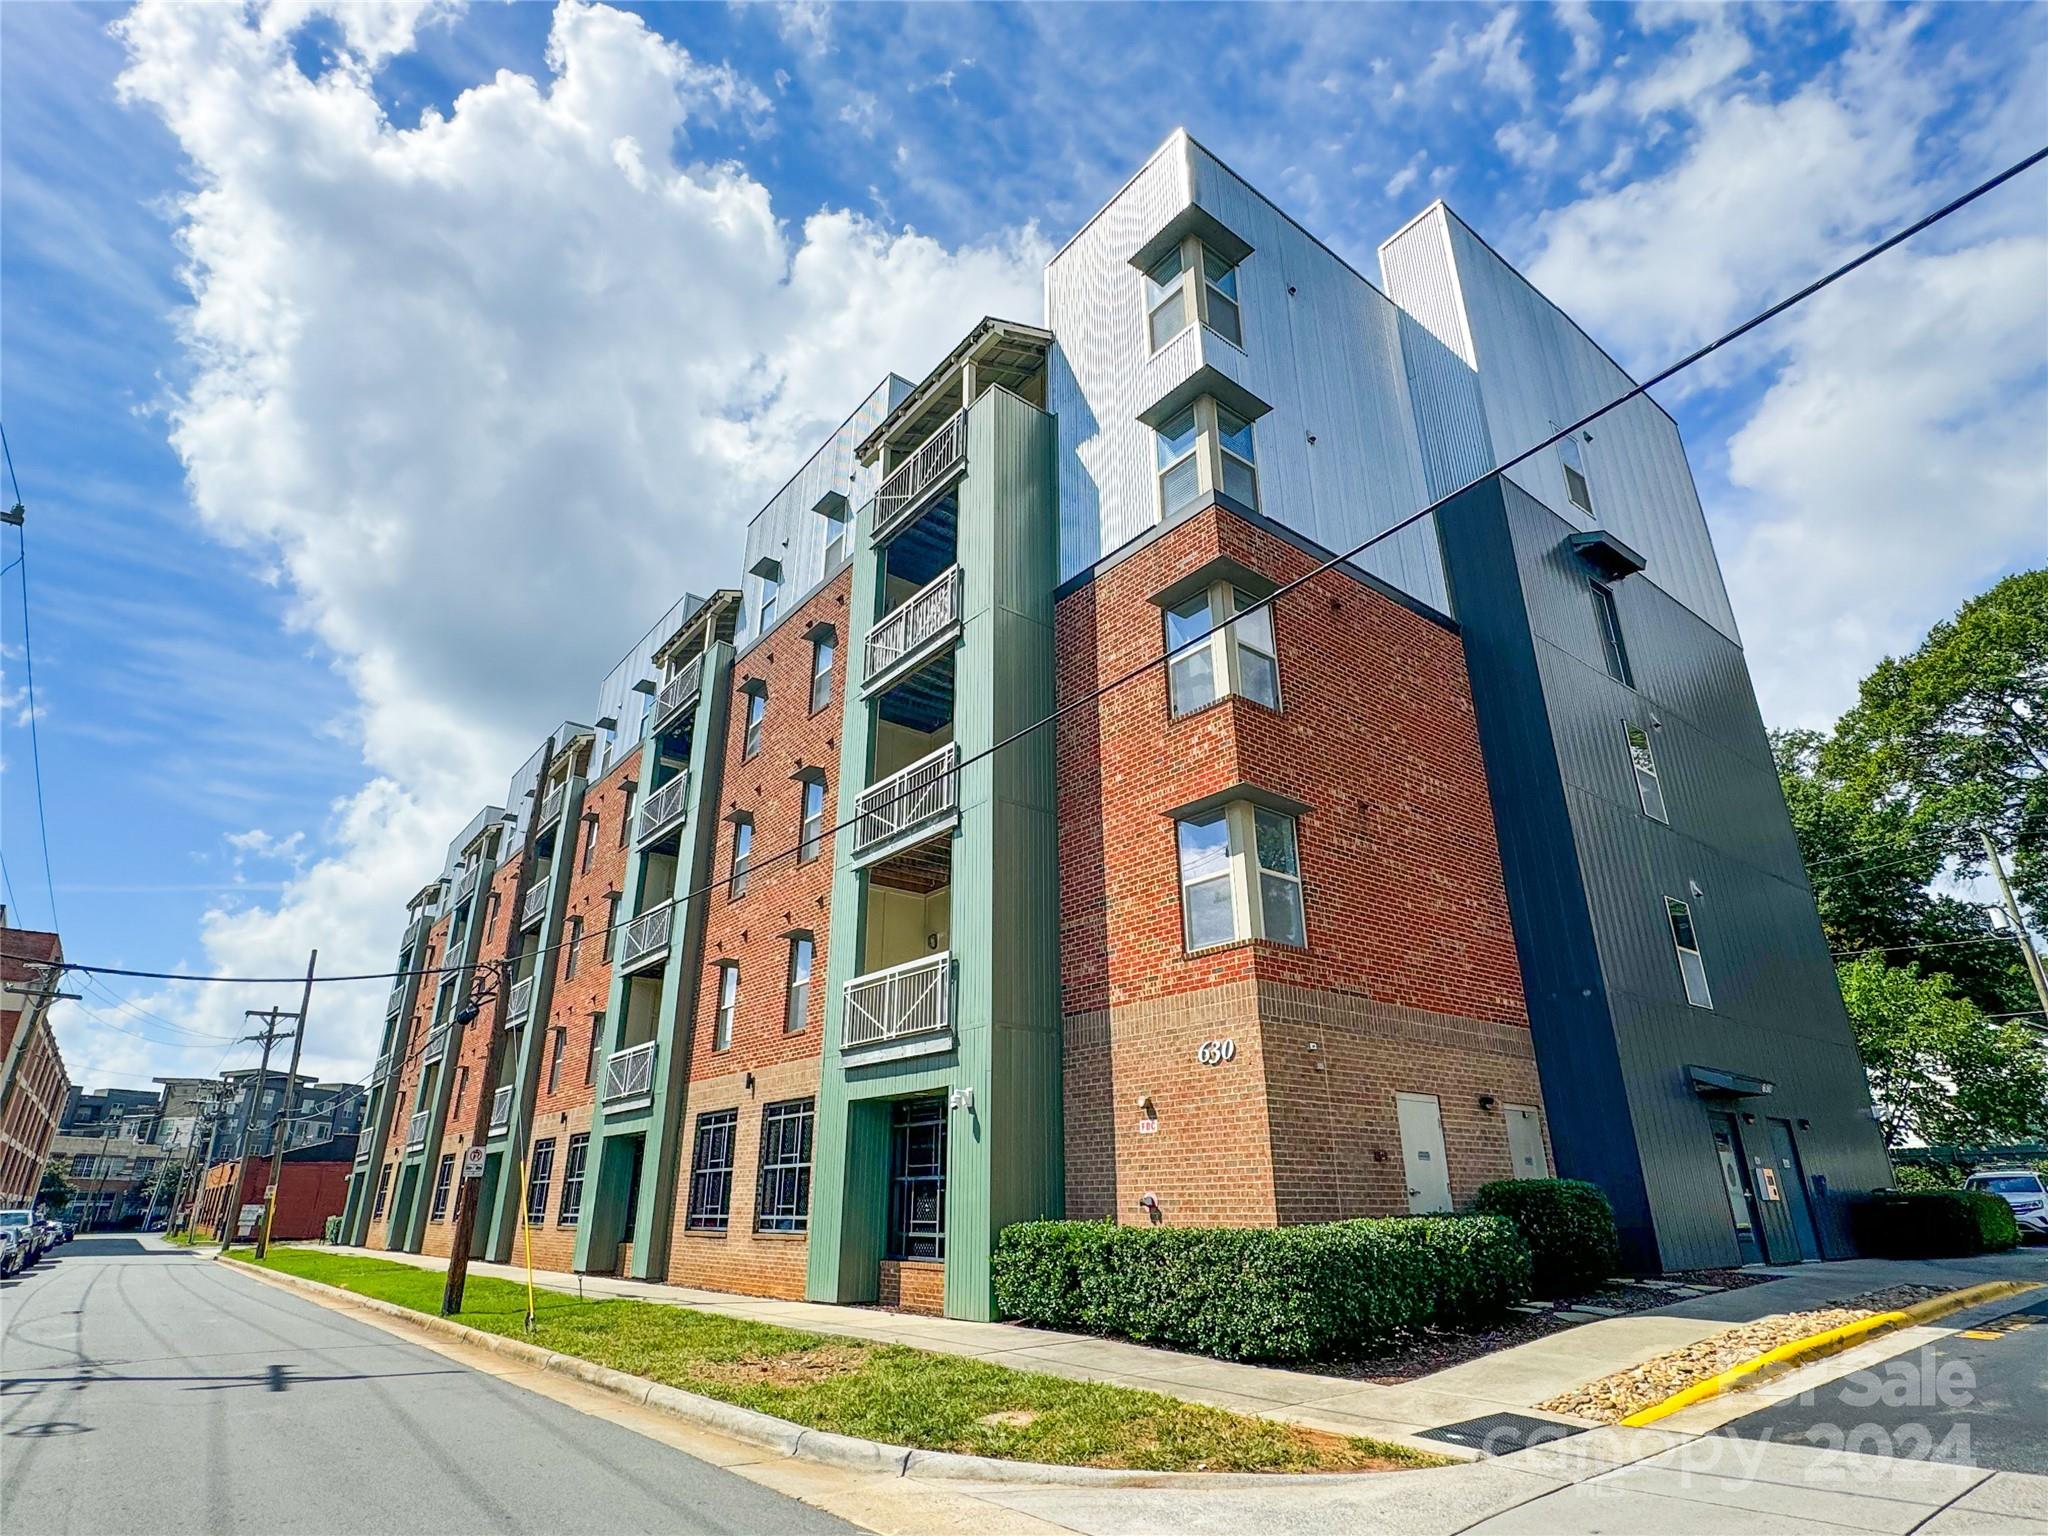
[917, 1179]
[540, 1173]
[572, 1180]
[444, 1176]
[383, 1192]
[711, 1171]
[783, 1202]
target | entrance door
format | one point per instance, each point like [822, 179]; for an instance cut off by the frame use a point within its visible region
[1735, 1180]
[917, 1180]
[1422, 1153]
[1525, 1143]
[1792, 1181]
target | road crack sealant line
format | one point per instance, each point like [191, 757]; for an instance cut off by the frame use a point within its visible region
[1818, 1346]
[847, 1452]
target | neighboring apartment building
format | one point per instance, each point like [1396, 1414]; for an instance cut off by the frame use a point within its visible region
[1462, 859]
[38, 1089]
[112, 1173]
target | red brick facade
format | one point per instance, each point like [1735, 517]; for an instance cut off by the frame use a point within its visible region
[36, 1102]
[405, 1078]
[307, 1194]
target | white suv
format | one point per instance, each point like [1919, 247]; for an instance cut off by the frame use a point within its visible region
[2019, 1188]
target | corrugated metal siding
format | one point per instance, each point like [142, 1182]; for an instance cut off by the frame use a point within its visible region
[1418, 274]
[616, 698]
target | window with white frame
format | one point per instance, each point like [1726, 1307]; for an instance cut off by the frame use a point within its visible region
[1213, 657]
[728, 1006]
[798, 1013]
[1240, 877]
[1238, 476]
[822, 651]
[1206, 446]
[742, 856]
[1219, 298]
[1173, 301]
[1686, 940]
[1649, 787]
[764, 613]
[1180, 472]
[837, 524]
[757, 712]
[1577, 489]
[1166, 299]
[811, 842]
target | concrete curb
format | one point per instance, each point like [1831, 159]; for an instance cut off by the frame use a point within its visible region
[787, 1439]
[1818, 1346]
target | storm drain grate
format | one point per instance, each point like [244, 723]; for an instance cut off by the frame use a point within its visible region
[1498, 1434]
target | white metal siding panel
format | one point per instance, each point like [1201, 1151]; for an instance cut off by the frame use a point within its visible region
[1417, 273]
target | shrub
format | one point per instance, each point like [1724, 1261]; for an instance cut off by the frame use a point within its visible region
[1933, 1224]
[1285, 1293]
[1568, 1225]
[334, 1229]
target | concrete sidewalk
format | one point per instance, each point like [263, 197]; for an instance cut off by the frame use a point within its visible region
[1513, 1380]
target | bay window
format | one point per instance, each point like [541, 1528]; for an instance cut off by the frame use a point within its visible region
[1205, 447]
[1213, 657]
[1240, 876]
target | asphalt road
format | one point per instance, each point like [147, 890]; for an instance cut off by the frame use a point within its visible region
[1977, 1401]
[142, 1388]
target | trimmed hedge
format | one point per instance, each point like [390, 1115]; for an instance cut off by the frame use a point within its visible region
[1272, 1293]
[1568, 1225]
[1933, 1224]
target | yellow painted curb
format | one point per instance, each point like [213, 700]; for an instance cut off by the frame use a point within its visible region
[1818, 1346]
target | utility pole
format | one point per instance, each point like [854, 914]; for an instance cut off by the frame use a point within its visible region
[480, 1127]
[291, 1083]
[217, 1111]
[2035, 972]
[269, 1035]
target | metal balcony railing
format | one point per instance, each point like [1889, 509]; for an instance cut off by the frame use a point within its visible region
[535, 907]
[913, 797]
[678, 690]
[912, 622]
[501, 1109]
[467, 883]
[396, 1000]
[380, 1072]
[629, 1074]
[934, 463]
[646, 938]
[664, 807]
[551, 806]
[437, 1041]
[518, 1003]
[903, 1001]
[416, 1130]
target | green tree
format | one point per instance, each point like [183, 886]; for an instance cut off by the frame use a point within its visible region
[56, 1191]
[1939, 1070]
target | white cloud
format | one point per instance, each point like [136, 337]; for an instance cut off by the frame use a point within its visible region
[489, 391]
[1405, 177]
[1495, 50]
[1576, 17]
[1527, 144]
[1711, 54]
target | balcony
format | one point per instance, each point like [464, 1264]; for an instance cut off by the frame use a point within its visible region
[907, 802]
[535, 907]
[467, 883]
[396, 1000]
[437, 1041]
[664, 808]
[501, 1109]
[629, 1077]
[905, 1002]
[645, 941]
[551, 806]
[677, 691]
[912, 627]
[518, 1003]
[416, 1131]
[380, 1072]
[935, 464]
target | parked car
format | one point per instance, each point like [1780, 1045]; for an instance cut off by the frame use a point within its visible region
[21, 1226]
[10, 1253]
[53, 1234]
[2019, 1188]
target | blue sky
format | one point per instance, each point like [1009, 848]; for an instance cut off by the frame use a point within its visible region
[320, 405]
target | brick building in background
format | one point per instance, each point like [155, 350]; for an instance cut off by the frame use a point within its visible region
[38, 1088]
[312, 1186]
[1461, 859]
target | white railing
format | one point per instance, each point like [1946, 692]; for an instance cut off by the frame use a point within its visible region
[381, 1071]
[396, 1000]
[678, 690]
[664, 806]
[518, 1003]
[910, 798]
[902, 1001]
[501, 1108]
[629, 1074]
[912, 622]
[551, 806]
[536, 904]
[437, 1041]
[416, 1130]
[936, 458]
[646, 937]
[468, 881]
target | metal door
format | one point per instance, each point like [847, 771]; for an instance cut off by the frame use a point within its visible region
[1735, 1180]
[1792, 1181]
[1422, 1153]
[1525, 1143]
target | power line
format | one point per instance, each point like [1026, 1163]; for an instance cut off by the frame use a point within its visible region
[114, 997]
[28, 667]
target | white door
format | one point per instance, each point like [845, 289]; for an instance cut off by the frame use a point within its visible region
[1422, 1153]
[1525, 1143]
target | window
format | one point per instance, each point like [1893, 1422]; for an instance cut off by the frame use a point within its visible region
[611, 917]
[572, 955]
[561, 1044]
[1649, 789]
[1613, 650]
[822, 650]
[782, 1202]
[757, 711]
[590, 1052]
[836, 525]
[728, 1004]
[1238, 478]
[626, 797]
[1238, 658]
[491, 915]
[571, 1210]
[589, 842]
[813, 839]
[1240, 877]
[540, 1173]
[917, 1179]
[461, 1087]
[1219, 297]
[444, 1176]
[1576, 488]
[1687, 941]
[1166, 300]
[742, 855]
[798, 1013]
[771, 592]
[1180, 476]
[711, 1171]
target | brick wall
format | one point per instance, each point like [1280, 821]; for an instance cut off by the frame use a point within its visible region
[739, 1258]
[307, 1194]
[405, 1077]
[913, 1285]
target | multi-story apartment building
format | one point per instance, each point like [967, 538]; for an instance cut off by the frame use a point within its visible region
[1050, 821]
[37, 1087]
